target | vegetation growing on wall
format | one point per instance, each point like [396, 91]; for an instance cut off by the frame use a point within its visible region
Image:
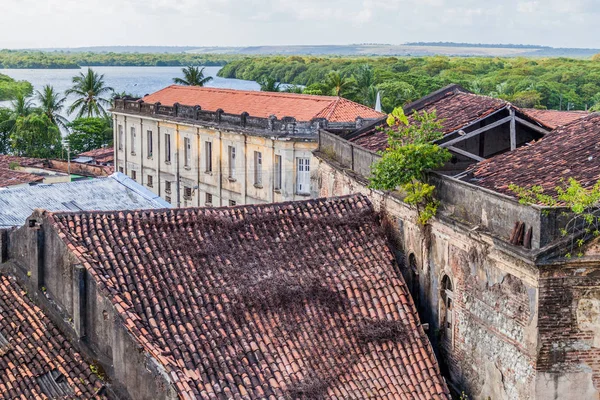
[410, 154]
[583, 202]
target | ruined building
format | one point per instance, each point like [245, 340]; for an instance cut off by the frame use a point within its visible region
[197, 146]
[291, 300]
[509, 315]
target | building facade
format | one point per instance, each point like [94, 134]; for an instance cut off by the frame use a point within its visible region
[510, 316]
[212, 147]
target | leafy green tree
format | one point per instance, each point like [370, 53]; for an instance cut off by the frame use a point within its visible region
[89, 89]
[89, 134]
[35, 135]
[395, 94]
[339, 84]
[21, 106]
[5, 129]
[52, 104]
[269, 84]
[365, 85]
[9, 88]
[193, 76]
[410, 154]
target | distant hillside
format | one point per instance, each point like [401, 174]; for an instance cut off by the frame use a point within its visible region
[416, 49]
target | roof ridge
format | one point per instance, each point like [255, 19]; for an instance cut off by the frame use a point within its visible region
[251, 92]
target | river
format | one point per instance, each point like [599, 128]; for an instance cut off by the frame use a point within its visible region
[133, 80]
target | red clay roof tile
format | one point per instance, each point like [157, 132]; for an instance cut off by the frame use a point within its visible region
[554, 118]
[455, 110]
[570, 151]
[33, 347]
[262, 301]
[264, 104]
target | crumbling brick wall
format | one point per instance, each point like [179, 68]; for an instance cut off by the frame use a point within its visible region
[493, 347]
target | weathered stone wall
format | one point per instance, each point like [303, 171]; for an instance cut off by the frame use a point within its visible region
[569, 329]
[68, 294]
[491, 348]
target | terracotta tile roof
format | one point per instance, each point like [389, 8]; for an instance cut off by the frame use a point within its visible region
[554, 118]
[455, 109]
[99, 153]
[262, 301]
[34, 355]
[264, 104]
[6, 160]
[9, 177]
[571, 151]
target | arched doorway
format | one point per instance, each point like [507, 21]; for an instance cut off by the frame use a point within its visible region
[447, 310]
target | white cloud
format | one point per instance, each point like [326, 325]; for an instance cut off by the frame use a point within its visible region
[62, 23]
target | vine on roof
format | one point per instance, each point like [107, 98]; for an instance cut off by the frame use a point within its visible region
[583, 202]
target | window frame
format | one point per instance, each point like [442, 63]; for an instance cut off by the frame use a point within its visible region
[208, 165]
[120, 137]
[303, 175]
[277, 173]
[167, 148]
[258, 175]
[149, 143]
[187, 152]
[231, 155]
[133, 139]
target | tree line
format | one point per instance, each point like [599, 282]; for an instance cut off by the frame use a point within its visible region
[75, 60]
[553, 83]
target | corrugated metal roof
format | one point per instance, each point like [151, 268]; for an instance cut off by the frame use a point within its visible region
[116, 192]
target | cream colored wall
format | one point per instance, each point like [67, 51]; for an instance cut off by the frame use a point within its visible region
[240, 188]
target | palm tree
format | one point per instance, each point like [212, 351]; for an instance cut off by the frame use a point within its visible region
[89, 89]
[268, 84]
[193, 76]
[21, 107]
[338, 83]
[52, 104]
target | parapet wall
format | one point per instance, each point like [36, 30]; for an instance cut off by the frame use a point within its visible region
[496, 213]
[196, 115]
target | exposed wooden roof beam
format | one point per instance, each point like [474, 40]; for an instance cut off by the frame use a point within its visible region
[476, 132]
[465, 153]
[532, 126]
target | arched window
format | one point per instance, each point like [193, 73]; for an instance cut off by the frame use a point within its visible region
[447, 309]
[413, 284]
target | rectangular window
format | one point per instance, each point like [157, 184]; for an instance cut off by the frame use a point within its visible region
[121, 169]
[232, 203]
[258, 168]
[303, 175]
[133, 140]
[167, 147]
[120, 137]
[168, 199]
[134, 175]
[187, 152]
[231, 162]
[168, 187]
[149, 143]
[277, 173]
[187, 192]
[208, 155]
[208, 198]
[150, 181]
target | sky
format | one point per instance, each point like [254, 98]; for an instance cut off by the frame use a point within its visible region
[82, 23]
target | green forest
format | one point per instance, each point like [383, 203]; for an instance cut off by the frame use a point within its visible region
[9, 88]
[75, 60]
[553, 83]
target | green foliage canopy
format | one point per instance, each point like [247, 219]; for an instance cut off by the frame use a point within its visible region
[89, 134]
